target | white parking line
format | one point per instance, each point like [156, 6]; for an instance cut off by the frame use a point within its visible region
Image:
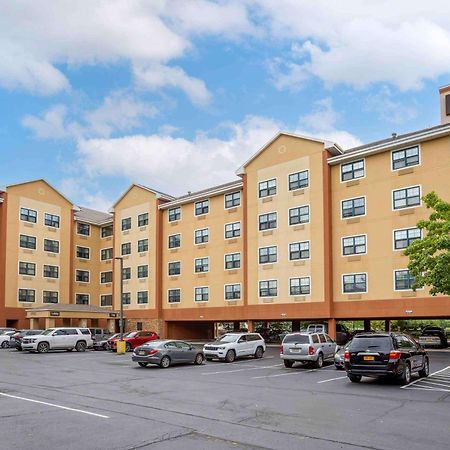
[435, 384]
[331, 379]
[240, 370]
[420, 379]
[294, 372]
[54, 406]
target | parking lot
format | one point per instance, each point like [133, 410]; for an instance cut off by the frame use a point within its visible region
[100, 400]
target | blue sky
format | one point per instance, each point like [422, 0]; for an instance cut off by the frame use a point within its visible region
[177, 94]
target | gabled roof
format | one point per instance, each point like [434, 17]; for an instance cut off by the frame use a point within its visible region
[92, 216]
[153, 191]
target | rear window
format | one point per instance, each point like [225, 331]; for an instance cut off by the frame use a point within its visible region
[373, 343]
[85, 331]
[296, 338]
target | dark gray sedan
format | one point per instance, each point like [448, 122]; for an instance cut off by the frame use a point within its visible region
[167, 352]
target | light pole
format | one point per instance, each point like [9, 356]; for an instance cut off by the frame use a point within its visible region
[121, 297]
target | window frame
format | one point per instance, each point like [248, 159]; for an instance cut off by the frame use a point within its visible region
[232, 200]
[81, 257]
[168, 296]
[363, 160]
[202, 208]
[127, 271]
[306, 277]
[146, 272]
[233, 261]
[268, 287]
[146, 219]
[297, 173]
[234, 298]
[172, 209]
[51, 219]
[268, 188]
[104, 249]
[300, 250]
[199, 230]
[396, 289]
[406, 188]
[232, 230]
[126, 220]
[88, 297]
[299, 223]
[50, 251]
[353, 236]
[78, 229]
[128, 244]
[139, 242]
[202, 294]
[168, 241]
[128, 296]
[201, 258]
[27, 263]
[28, 236]
[353, 198]
[140, 302]
[28, 290]
[267, 214]
[407, 238]
[27, 215]
[268, 255]
[418, 146]
[354, 274]
[83, 270]
[101, 300]
[46, 276]
[106, 227]
[106, 271]
[168, 269]
[49, 303]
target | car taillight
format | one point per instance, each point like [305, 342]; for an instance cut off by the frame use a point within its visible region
[153, 351]
[311, 350]
[281, 349]
[394, 356]
[347, 356]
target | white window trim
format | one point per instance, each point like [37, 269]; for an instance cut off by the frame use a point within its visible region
[404, 188]
[266, 214]
[59, 247]
[351, 162]
[24, 274]
[232, 223]
[299, 295]
[353, 236]
[137, 245]
[84, 223]
[131, 248]
[84, 259]
[302, 223]
[300, 259]
[28, 289]
[231, 207]
[51, 278]
[391, 161]
[293, 173]
[201, 201]
[173, 289]
[353, 198]
[200, 229]
[137, 271]
[105, 306]
[402, 290]
[169, 262]
[49, 290]
[131, 298]
[83, 270]
[131, 272]
[267, 246]
[30, 209]
[29, 235]
[209, 264]
[137, 297]
[82, 293]
[233, 268]
[181, 241]
[106, 248]
[269, 296]
[403, 229]
[181, 214]
[106, 237]
[137, 219]
[105, 282]
[201, 287]
[121, 224]
[264, 181]
[354, 293]
[232, 299]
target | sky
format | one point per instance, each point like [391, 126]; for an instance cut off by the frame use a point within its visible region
[177, 94]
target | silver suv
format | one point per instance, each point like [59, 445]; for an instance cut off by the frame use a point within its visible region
[234, 345]
[307, 348]
[63, 338]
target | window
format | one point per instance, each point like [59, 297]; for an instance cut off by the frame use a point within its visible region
[82, 299]
[175, 241]
[232, 291]
[82, 252]
[174, 295]
[27, 241]
[232, 200]
[268, 288]
[107, 231]
[300, 286]
[267, 255]
[353, 207]
[267, 188]
[202, 207]
[298, 180]
[352, 170]
[201, 265]
[126, 224]
[354, 245]
[49, 297]
[403, 280]
[174, 214]
[51, 220]
[82, 276]
[142, 297]
[106, 300]
[142, 271]
[27, 295]
[267, 221]
[142, 220]
[126, 248]
[175, 268]
[26, 268]
[201, 294]
[354, 283]
[299, 250]
[106, 277]
[201, 236]
[126, 273]
[84, 229]
[142, 245]
[406, 198]
[403, 238]
[106, 253]
[50, 271]
[299, 215]
[51, 246]
[126, 298]
[28, 215]
[233, 261]
[232, 230]
[405, 158]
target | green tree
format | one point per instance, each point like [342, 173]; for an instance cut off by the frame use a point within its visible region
[429, 258]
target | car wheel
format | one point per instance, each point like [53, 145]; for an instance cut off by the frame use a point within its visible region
[424, 372]
[319, 362]
[19, 349]
[43, 347]
[259, 353]
[104, 347]
[198, 359]
[143, 364]
[288, 363]
[165, 362]
[230, 356]
[81, 346]
[128, 347]
[405, 378]
[5, 344]
[355, 378]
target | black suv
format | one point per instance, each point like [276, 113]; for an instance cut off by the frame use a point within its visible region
[385, 354]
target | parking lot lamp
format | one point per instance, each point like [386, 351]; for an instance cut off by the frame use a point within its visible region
[121, 304]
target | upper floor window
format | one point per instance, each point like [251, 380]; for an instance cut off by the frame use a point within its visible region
[232, 291]
[404, 280]
[142, 220]
[142, 245]
[84, 229]
[267, 221]
[27, 241]
[126, 224]
[175, 241]
[142, 271]
[126, 298]
[267, 188]
[52, 246]
[267, 255]
[82, 299]
[353, 207]
[174, 295]
[201, 236]
[406, 198]
[353, 170]
[403, 238]
[126, 248]
[106, 253]
[202, 265]
[232, 230]
[300, 286]
[268, 288]
[50, 297]
[28, 215]
[50, 271]
[27, 295]
[201, 207]
[299, 215]
[405, 158]
[298, 180]
[51, 220]
[354, 245]
[126, 273]
[106, 300]
[201, 294]
[232, 200]
[106, 277]
[27, 268]
[82, 276]
[354, 283]
[299, 250]
[233, 261]
[107, 231]
[83, 252]
[142, 297]
[174, 214]
[175, 268]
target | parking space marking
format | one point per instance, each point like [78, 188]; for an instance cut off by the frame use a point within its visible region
[54, 406]
[241, 370]
[436, 381]
[332, 379]
[293, 372]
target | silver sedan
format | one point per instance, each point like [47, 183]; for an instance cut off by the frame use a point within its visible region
[167, 352]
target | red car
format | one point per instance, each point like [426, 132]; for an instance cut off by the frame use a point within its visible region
[134, 339]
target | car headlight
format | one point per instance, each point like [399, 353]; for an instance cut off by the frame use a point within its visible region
[33, 341]
[221, 348]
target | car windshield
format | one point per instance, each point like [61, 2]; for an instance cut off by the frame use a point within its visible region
[296, 338]
[48, 331]
[372, 343]
[228, 338]
[130, 335]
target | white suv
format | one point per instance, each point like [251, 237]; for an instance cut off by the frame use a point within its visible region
[59, 339]
[234, 345]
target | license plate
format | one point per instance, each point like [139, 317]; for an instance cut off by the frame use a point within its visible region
[142, 352]
[295, 350]
[369, 358]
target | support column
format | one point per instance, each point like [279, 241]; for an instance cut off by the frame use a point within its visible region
[33, 324]
[332, 328]
[111, 325]
[387, 325]
[296, 325]
[250, 326]
[82, 323]
[49, 322]
[366, 324]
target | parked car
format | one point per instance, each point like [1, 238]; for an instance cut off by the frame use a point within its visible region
[432, 336]
[16, 338]
[339, 356]
[385, 355]
[307, 348]
[235, 345]
[134, 339]
[65, 338]
[166, 352]
[4, 330]
[5, 339]
[99, 334]
[343, 334]
[103, 344]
